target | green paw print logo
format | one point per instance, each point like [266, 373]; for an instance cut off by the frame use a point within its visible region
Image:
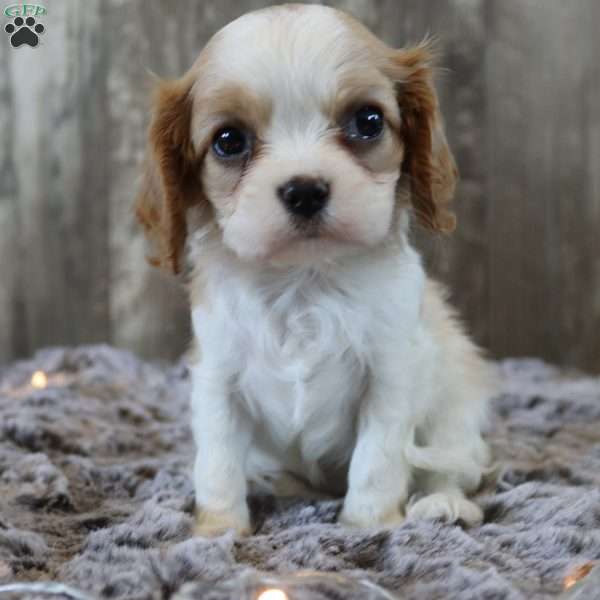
[24, 29]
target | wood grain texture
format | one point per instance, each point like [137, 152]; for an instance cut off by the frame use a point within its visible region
[520, 89]
[12, 322]
[59, 223]
[541, 77]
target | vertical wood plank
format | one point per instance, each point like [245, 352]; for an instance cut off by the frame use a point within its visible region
[12, 332]
[60, 194]
[587, 324]
[147, 308]
[85, 251]
[539, 72]
[462, 259]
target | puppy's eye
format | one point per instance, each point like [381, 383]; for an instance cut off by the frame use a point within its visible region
[366, 124]
[230, 142]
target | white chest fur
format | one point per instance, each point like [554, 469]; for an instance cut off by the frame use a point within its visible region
[307, 368]
[296, 347]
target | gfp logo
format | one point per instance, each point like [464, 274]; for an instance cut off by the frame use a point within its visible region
[24, 30]
[25, 10]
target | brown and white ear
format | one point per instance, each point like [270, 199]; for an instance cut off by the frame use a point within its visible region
[171, 181]
[428, 161]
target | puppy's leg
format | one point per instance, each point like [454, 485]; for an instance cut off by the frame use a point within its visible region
[222, 439]
[379, 475]
[453, 462]
[451, 455]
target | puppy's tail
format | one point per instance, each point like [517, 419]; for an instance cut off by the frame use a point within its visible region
[466, 465]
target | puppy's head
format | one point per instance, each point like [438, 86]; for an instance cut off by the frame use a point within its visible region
[300, 136]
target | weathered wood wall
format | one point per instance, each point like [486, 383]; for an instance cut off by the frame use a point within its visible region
[521, 96]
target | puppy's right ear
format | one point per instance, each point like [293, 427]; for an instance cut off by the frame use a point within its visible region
[171, 179]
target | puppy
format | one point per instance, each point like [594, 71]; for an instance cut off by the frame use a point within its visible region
[282, 172]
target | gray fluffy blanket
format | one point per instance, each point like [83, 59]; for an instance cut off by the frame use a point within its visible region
[95, 492]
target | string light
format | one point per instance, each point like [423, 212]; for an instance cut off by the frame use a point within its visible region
[578, 573]
[39, 380]
[272, 594]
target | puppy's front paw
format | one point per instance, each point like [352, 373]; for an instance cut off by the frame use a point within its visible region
[212, 524]
[446, 507]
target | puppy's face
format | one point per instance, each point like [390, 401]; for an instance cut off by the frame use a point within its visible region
[297, 130]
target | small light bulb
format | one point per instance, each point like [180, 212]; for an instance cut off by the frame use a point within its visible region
[576, 574]
[272, 594]
[39, 380]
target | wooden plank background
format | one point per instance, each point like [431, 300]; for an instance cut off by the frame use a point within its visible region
[521, 97]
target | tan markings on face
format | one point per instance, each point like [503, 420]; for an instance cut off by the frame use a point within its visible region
[370, 88]
[219, 104]
[293, 78]
[356, 88]
[227, 104]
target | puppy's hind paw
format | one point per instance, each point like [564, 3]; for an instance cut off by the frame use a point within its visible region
[446, 507]
[214, 524]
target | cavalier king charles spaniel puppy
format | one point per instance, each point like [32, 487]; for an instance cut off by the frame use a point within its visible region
[282, 174]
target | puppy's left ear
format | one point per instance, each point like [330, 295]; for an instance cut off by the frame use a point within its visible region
[428, 161]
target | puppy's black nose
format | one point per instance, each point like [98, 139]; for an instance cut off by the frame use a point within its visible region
[304, 196]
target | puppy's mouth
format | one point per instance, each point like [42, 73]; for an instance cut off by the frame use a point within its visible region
[311, 241]
[314, 228]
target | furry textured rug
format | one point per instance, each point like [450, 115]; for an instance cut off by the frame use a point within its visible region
[95, 492]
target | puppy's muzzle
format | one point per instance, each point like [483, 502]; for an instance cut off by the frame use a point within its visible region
[304, 197]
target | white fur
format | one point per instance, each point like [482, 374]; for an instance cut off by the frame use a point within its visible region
[318, 372]
[330, 363]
